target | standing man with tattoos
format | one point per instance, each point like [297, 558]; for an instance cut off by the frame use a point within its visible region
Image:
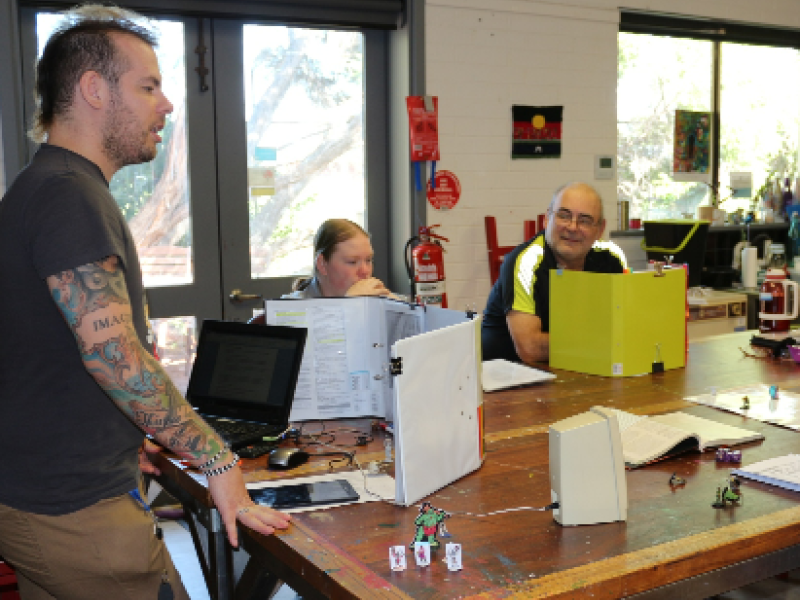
[78, 385]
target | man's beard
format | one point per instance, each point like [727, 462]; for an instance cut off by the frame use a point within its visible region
[124, 140]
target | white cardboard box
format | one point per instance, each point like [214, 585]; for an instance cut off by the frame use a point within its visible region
[713, 312]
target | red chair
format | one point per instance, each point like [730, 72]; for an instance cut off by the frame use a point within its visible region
[497, 253]
[8, 582]
[530, 229]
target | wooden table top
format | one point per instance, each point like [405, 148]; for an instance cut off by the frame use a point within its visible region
[670, 533]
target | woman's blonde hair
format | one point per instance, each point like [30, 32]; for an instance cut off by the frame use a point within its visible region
[329, 235]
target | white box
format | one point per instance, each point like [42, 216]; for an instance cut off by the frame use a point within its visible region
[714, 313]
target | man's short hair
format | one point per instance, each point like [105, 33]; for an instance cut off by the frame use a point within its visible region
[560, 190]
[81, 43]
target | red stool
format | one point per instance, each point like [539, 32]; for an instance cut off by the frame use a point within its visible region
[497, 253]
[8, 583]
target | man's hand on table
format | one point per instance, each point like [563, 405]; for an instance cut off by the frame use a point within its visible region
[233, 502]
[145, 466]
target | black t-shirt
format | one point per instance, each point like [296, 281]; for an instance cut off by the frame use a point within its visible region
[524, 286]
[64, 445]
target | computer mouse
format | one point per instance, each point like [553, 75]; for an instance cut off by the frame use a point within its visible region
[286, 458]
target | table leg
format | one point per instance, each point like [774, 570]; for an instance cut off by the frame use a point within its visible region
[219, 560]
[213, 551]
[256, 583]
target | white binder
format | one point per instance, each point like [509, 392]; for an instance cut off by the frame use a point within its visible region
[438, 413]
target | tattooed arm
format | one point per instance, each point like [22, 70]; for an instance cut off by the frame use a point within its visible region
[94, 301]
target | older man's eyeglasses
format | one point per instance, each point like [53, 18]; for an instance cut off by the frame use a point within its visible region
[565, 217]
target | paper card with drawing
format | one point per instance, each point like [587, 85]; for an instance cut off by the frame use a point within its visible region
[453, 556]
[397, 558]
[422, 553]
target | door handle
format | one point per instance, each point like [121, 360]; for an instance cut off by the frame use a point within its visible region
[237, 297]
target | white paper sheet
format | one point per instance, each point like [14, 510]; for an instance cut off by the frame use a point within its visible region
[783, 410]
[782, 471]
[499, 374]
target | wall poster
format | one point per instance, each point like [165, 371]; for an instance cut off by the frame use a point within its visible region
[692, 146]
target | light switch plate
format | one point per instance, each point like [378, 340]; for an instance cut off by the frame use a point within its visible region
[604, 166]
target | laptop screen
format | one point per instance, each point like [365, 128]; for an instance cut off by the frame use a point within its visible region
[247, 372]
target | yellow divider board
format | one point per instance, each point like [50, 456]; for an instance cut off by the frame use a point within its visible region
[611, 324]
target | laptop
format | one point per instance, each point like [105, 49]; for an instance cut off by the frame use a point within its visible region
[244, 378]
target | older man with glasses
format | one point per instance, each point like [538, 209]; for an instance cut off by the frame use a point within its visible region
[516, 321]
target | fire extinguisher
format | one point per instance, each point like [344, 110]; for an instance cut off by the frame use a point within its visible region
[425, 267]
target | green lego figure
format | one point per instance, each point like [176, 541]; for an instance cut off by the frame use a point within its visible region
[728, 495]
[427, 525]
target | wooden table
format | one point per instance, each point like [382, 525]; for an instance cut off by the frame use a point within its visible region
[674, 544]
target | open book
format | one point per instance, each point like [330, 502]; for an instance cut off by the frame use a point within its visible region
[646, 439]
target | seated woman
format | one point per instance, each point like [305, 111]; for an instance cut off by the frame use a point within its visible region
[342, 264]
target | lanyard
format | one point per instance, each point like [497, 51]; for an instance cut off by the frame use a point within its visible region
[137, 497]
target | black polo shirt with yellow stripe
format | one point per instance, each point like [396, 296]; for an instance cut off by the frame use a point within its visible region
[524, 286]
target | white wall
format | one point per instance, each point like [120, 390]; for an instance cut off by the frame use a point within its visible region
[483, 56]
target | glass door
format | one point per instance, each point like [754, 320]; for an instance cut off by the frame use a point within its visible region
[167, 202]
[292, 121]
[256, 155]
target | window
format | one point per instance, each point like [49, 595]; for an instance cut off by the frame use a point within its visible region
[753, 103]
[159, 187]
[272, 142]
[252, 162]
[759, 115]
[305, 145]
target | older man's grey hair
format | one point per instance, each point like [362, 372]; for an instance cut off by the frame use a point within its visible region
[560, 191]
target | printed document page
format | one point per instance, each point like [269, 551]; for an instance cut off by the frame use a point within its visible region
[334, 377]
[783, 471]
[345, 370]
[783, 409]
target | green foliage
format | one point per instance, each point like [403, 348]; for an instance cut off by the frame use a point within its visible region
[289, 222]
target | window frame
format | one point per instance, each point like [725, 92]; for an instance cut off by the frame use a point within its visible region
[381, 202]
[715, 31]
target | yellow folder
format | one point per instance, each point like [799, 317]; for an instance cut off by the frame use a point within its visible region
[617, 325]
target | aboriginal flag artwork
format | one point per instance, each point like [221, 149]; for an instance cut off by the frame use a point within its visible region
[537, 131]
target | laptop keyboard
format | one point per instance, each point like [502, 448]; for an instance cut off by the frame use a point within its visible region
[257, 449]
[240, 433]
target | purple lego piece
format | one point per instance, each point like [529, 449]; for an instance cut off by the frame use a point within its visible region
[727, 455]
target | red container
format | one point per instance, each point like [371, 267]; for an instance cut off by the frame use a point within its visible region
[773, 302]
